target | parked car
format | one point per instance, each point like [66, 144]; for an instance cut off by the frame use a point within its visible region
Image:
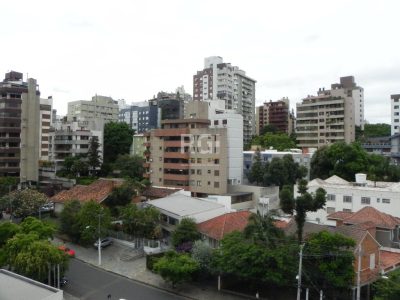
[47, 207]
[66, 250]
[103, 243]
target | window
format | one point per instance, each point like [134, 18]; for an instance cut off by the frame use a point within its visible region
[215, 122]
[347, 199]
[198, 172]
[199, 160]
[365, 200]
[372, 261]
[208, 171]
[330, 210]
[331, 197]
[346, 210]
[216, 161]
[192, 171]
[216, 172]
[216, 184]
[208, 182]
[224, 122]
[387, 201]
[198, 183]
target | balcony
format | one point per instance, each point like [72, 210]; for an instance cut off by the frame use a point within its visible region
[146, 165]
[174, 143]
[184, 155]
[176, 166]
[171, 132]
[176, 177]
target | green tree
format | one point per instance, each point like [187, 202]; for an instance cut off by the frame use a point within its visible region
[269, 129]
[256, 173]
[42, 229]
[25, 202]
[140, 222]
[68, 219]
[388, 288]
[7, 231]
[129, 166]
[279, 141]
[117, 140]
[376, 130]
[254, 262]
[185, 232]
[7, 184]
[328, 263]
[303, 203]
[30, 256]
[88, 219]
[202, 254]
[283, 171]
[176, 267]
[93, 155]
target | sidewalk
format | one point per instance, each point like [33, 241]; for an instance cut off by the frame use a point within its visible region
[137, 270]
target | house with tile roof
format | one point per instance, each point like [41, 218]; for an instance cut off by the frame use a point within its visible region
[97, 191]
[350, 197]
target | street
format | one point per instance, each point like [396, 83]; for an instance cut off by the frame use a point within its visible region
[87, 282]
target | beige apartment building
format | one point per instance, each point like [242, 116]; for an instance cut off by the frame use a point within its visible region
[45, 123]
[99, 108]
[331, 116]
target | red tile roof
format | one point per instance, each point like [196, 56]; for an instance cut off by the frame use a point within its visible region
[389, 260]
[218, 227]
[339, 215]
[97, 191]
[281, 224]
[371, 214]
[154, 192]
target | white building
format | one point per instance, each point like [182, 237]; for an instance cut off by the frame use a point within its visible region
[395, 113]
[99, 108]
[222, 81]
[17, 287]
[353, 196]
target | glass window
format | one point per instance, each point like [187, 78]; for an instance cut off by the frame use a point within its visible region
[331, 197]
[330, 210]
[347, 199]
[365, 200]
[387, 201]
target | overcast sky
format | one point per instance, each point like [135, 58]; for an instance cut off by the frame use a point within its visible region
[133, 49]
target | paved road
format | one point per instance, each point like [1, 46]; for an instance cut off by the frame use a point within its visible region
[87, 282]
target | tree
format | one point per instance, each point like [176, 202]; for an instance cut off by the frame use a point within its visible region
[185, 232]
[129, 166]
[304, 203]
[279, 141]
[256, 172]
[93, 155]
[7, 184]
[176, 267]
[202, 254]
[42, 229]
[7, 231]
[376, 130]
[68, 219]
[25, 202]
[117, 140]
[388, 288]
[30, 256]
[328, 263]
[261, 229]
[140, 222]
[269, 128]
[88, 219]
[255, 262]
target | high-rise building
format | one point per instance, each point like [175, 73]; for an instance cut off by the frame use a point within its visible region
[19, 127]
[395, 114]
[136, 116]
[195, 153]
[275, 113]
[222, 81]
[99, 108]
[45, 123]
[331, 116]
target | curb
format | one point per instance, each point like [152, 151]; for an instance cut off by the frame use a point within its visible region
[138, 281]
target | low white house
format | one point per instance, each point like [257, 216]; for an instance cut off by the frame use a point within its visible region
[178, 206]
[348, 196]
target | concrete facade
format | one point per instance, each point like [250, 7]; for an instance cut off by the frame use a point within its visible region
[331, 116]
[395, 114]
[99, 108]
[222, 81]
[275, 113]
[45, 123]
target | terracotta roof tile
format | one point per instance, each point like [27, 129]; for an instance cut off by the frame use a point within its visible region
[218, 227]
[356, 232]
[281, 224]
[389, 260]
[97, 191]
[368, 213]
[339, 215]
[158, 192]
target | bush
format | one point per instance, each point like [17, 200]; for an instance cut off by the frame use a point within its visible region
[151, 259]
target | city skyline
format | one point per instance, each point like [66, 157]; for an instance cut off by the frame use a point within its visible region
[132, 51]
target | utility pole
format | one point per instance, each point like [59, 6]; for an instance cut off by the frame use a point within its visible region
[299, 275]
[359, 274]
[99, 243]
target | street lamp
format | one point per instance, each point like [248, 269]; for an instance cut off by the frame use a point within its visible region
[98, 241]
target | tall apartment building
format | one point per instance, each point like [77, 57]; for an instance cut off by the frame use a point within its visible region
[99, 108]
[395, 114]
[68, 138]
[222, 81]
[275, 113]
[331, 116]
[45, 122]
[194, 153]
[136, 116]
[19, 127]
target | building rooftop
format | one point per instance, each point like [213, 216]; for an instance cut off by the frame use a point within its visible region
[184, 206]
[367, 214]
[17, 287]
[156, 192]
[97, 191]
[220, 226]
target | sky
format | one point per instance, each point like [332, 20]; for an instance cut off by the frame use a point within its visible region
[133, 49]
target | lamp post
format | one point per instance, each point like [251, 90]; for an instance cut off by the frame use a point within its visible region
[99, 243]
